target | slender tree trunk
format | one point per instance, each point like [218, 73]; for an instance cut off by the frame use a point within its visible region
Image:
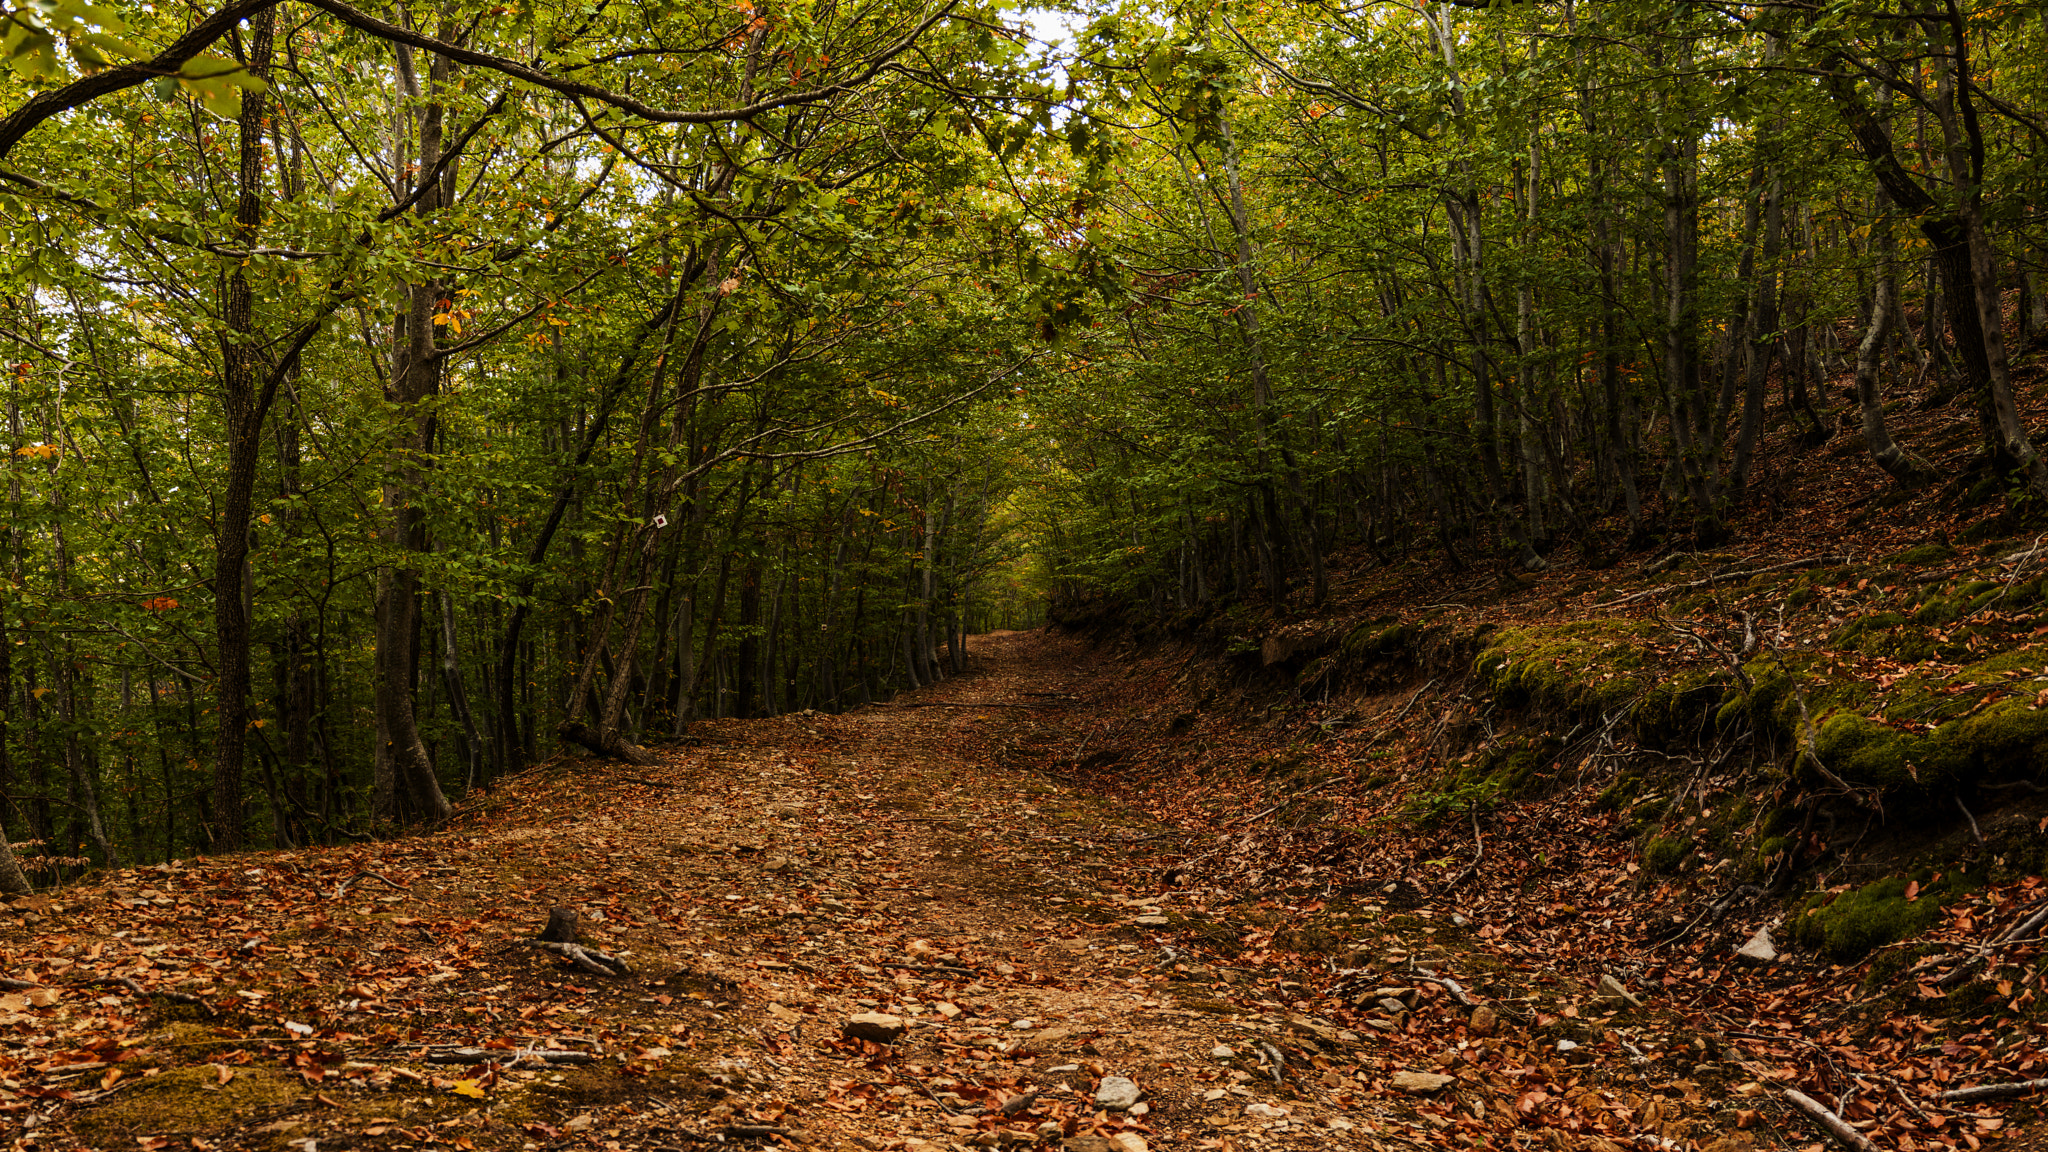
[245, 399]
[403, 761]
[1906, 468]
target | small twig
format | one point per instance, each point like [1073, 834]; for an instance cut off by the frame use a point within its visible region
[1810, 562]
[954, 969]
[1974, 831]
[1478, 849]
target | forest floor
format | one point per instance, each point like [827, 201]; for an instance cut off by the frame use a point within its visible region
[1304, 880]
[766, 886]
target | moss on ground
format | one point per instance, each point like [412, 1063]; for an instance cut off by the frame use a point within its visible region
[1847, 926]
[1666, 854]
[1586, 667]
[1932, 552]
[1513, 768]
[1927, 731]
[189, 1101]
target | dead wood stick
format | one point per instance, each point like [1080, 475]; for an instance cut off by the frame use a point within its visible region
[139, 990]
[947, 1108]
[588, 959]
[1478, 849]
[1995, 1091]
[360, 876]
[1834, 1125]
[1974, 831]
[1388, 728]
[1719, 577]
[11, 982]
[512, 1056]
[949, 704]
[2025, 930]
[1450, 985]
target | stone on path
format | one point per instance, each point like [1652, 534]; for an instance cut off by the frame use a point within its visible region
[1419, 1083]
[1265, 1111]
[1128, 1142]
[1615, 992]
[1760, 948]
[879, 1027]
[1483, 1021]
[1116, 1093]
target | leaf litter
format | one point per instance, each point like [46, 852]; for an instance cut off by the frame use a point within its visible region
[1024, 929]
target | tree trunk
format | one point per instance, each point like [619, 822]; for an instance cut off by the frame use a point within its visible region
[1906, 468]
[245, 399]
[402, 758]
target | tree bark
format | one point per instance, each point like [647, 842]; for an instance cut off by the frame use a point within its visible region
[245, 401]
[402, 760]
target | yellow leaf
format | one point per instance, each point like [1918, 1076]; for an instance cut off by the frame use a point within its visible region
[467, 1088]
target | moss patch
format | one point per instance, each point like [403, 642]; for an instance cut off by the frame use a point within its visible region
[1666, 854]
[1931, 552]
[1589, 666]
[1858, 922]
[189, 1101]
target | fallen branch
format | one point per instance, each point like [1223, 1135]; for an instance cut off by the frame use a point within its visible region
[588, 959]
[483, 1055]
[1834, 1125]
[615, 746]
[1995, 1091]
[361, 876]
[1722, 577]
[949, 968]
[139, 990]
[2024, 930]
[1457, 993]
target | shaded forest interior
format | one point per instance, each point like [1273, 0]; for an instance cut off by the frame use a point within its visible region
[397, 400]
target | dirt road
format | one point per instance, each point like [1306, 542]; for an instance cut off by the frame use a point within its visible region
[907, 873]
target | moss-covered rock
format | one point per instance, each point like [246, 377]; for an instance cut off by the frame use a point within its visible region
[1666, 854]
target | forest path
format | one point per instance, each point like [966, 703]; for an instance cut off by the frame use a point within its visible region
[767, 884]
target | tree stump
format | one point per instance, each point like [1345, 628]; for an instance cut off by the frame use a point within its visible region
[561, 927]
